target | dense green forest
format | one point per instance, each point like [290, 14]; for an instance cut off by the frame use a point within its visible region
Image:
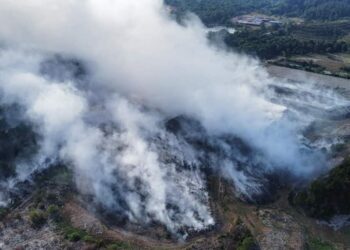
[217, 11]
[296, 27]
[267, 44]
[220, 11]
[312, 9]
[327, 196]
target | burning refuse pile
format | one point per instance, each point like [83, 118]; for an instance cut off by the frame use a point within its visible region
[143, 109]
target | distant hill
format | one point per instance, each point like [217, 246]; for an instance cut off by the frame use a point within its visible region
[312, 9]
[220, 11]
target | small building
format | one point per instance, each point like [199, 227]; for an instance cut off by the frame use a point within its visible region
[255, 20]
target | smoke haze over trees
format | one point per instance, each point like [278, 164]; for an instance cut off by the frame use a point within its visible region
[102, 84]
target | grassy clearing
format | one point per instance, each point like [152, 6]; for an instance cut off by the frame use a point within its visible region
[74, 234]
[326, 31]
[317, 244]
[329, 64]
[345, 57]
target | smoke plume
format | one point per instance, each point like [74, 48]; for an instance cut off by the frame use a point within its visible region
[140, 107]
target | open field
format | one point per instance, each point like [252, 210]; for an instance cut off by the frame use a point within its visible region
[335, 64]
[300, 75]
[331, 62]
[345, 57]
[326, 31]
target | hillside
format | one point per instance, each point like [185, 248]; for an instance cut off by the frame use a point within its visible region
[220, 11]
[308, 35]
[327, 196]
[130, 125]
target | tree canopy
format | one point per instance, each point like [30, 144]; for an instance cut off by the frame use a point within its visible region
[220, 11]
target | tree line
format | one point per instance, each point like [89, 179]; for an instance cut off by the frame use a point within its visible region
[221, 11]
[267, 45]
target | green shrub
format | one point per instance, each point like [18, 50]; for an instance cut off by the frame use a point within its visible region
[51, 198]
[118, 246]
[3, 212]
[89, 239]
[71, 233]
[317, 244]
[53, 209]
[39, 198]
[54, 213]
[75, 236]
[328, 195]
[37, 218]
[248, 243]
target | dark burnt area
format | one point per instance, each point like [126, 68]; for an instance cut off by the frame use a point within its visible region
[236, 150]
[18, 140]
[59, 68]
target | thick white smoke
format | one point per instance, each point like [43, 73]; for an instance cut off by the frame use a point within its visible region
[143, 69]
[119, 157]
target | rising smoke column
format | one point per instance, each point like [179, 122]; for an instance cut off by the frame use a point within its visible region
[135, 49]
[118, 165]
[143, 69]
